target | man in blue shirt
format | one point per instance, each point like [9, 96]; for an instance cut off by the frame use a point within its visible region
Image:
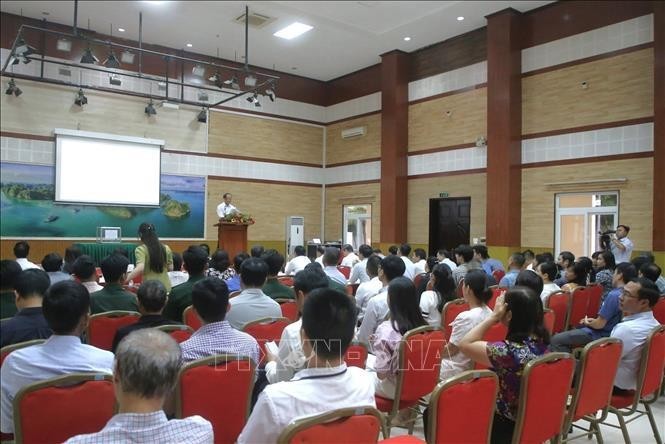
[515, 264]
[608, 316]
[481, 254]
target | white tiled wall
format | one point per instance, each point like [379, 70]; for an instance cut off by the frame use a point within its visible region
[448, 81]
[27, 151]
[353, 173]
[587, 44]
[452, 160]
[354, 107]
[603, 142]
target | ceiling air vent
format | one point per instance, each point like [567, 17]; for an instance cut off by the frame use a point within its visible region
[256, 20]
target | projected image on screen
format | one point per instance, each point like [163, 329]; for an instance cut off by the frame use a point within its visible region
[106, 171]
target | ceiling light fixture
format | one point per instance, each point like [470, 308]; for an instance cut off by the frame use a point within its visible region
[21, 52]
[121, 29]
[112, 61]
[460, 18]
[64, 45]
[115, 80]
[127, 57]
[203, 116]
[88, 57]
[13, 89]
[80, 98]
[232, 82]
[406, 39]
[189, 45]
[293, 30]
[250, 81]
[150, 109]
[198, 71]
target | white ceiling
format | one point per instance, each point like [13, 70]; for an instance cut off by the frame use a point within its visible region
[347, 35]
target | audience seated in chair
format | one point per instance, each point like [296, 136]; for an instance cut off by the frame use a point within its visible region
[71, 254]
[443, 290]
[419, 259]
[349, 258]
[329, 319]
[391, 267]
[29, 323]
[113, 296]
[234, 282]
[145, 371]
[177, 276]
[180, 297]
[609, 315]
[576, 276]
[85, 271]
[152, 298]
[530, 279]
[465, 261]
[547, 272]
[446, 257]
[359, 272]
[330, 259]
[515, 265]
[52, 264]
[252, 303]
[481, 254]
[652, 272]
[273, 287]
[21, 251]
[563, 261]
[368, 289]
[298, 262]
[290, 357]
[9, 270]
[210, 300]
[404, 252]
[66, 307]
[219, 266]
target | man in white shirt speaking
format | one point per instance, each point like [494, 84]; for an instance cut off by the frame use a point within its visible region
[225, 208]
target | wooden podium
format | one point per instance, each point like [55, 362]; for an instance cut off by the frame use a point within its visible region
[231, 237]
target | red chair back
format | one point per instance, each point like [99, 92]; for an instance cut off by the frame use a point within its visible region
[191, 319]
[350, 425]
[659, 310]
[219, 388]
[346, 271]
[449, 313]
[178, 332]
[496, 292]
[420, 352]
[356, 355]
[417, 281]
[54, 410]
[453, 399]
[7, 349]
[595, 295]
[103, 326]
[285, 280]
[558, 303]
[498, 275]
[289, 309]
[266, 330]
[654, 354]
[579, 304]
[543, 394]
[549, 319]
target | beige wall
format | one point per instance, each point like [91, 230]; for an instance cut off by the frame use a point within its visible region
[422, 190]
[619, 88]
[357, 148]
[338, 196]
[43, 107]
[635, 197]
[269, 139]
[430, 127]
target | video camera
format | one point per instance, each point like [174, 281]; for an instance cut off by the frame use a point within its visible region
[605, 240]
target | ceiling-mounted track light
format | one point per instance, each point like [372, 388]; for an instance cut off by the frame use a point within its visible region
[250, 81]
[112, 61]
[217, 80]
[232, 82]
[13, 89]
[203, 116]
[88, 57]
[150, 109]
[80, 98]
[64, 45]
[21, 52]
[270, 92]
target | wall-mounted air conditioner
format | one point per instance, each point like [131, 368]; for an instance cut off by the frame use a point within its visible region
[354, 132]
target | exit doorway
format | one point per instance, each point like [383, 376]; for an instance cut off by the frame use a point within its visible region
[449, 223]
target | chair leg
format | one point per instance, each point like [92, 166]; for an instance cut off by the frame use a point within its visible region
[624, 428]
[599, 435]
[652, 421]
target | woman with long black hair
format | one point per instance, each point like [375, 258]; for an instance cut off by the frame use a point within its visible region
[153, 259]
[443, 290]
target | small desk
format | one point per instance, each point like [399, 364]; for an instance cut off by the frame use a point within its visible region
[98, 251]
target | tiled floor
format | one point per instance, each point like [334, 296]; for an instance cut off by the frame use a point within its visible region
[639, 430]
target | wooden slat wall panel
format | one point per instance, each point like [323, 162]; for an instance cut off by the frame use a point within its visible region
[635, 201]
[358, 148]
[241, 135]
[356, 84]
[422, 190]
[619, 88]
[337, 197]
[43, 107]
[269, 204]
[429, 127]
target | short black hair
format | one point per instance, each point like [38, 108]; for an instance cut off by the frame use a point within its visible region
[177, 261]
[405, 249]
[331, 256]
[419, 252]
[195, 259]
[365, 250]
[210, 298]
[275, 261]
[121, 251]
[550, 269]
[152, 295]
[528, 254]
[545, 257]
[373, 263]
[32, 281]
[310, 279]
[465, 251]
[52, 262]
[239, 259]
[113, 267]
[650, 271]
[648, 290]
[21, 249]
[84, 267]
[393, 249]
[481, 250]
[65, 303]
[329, 321]
[530, 279]
[219, 260]
[299, 250]
[253, 272]
[627, 271]
[9, 270]
[567, 256]
[206, 248]
[320, 249]
[348, 247]
[256, 251]
[392, 267]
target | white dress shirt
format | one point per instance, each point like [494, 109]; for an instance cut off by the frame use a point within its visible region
[178, 277]
[548, 289]
[290, 357]
[225, 209]
[59, 355]
[452, 265]
[92, 286]
[320, 261]
[463, 323]
[350, 260]
[622, 256]
[26, 264]
[334, 274]
[419, 267]
[359, 272]
[310, 392]
[365, 292]
[250, 305]
[410, 270]
[376, 313]
[429, 303]
[633, 331]
[297, 264]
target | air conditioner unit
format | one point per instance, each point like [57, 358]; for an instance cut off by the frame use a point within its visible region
[295, 233]
[354, 132]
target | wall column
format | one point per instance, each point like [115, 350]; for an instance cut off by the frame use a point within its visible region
[394, 145]
[504, 133]
[659, 132]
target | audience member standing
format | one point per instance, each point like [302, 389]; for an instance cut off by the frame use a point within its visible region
[153, 259]
[621, 246]
[196, 262]
[252, 303]
[9, 271]
[29, 323]
[21, 251]
[113, 296]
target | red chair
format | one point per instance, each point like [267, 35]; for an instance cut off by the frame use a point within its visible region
[498, 275]
[289, 309]
[350, 425]
[56, 409]
[219, 388]
[659, 310]
[351, 289]
[578, 307]
[595, 295]
[285, 280]
[450, 311]
[543, 394]
[458, 290]
[419, 354]
[7, 349]
[346, 271]
[592, 392]
[266, 330]
[558, 302]
[191, 319]
[103, 326]
[417, 281]
[549, 319]
[178, 332]
[453, 399]
[496, 292]
[356, 355]
[649, 377]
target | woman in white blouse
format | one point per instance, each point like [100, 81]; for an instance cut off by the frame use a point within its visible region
[476, 294]
[443, 291]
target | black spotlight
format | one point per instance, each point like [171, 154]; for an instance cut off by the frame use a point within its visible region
[150, 109]
[112, 61]
[13, 89]
[21, 52]
[255, 100]
[217, 80]
[80, 99]
[270, 92]
[88, 57]
[203, 116]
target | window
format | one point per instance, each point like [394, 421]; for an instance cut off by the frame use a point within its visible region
[357, 226]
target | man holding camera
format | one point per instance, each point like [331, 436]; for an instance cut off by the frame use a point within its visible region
[620, 245]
